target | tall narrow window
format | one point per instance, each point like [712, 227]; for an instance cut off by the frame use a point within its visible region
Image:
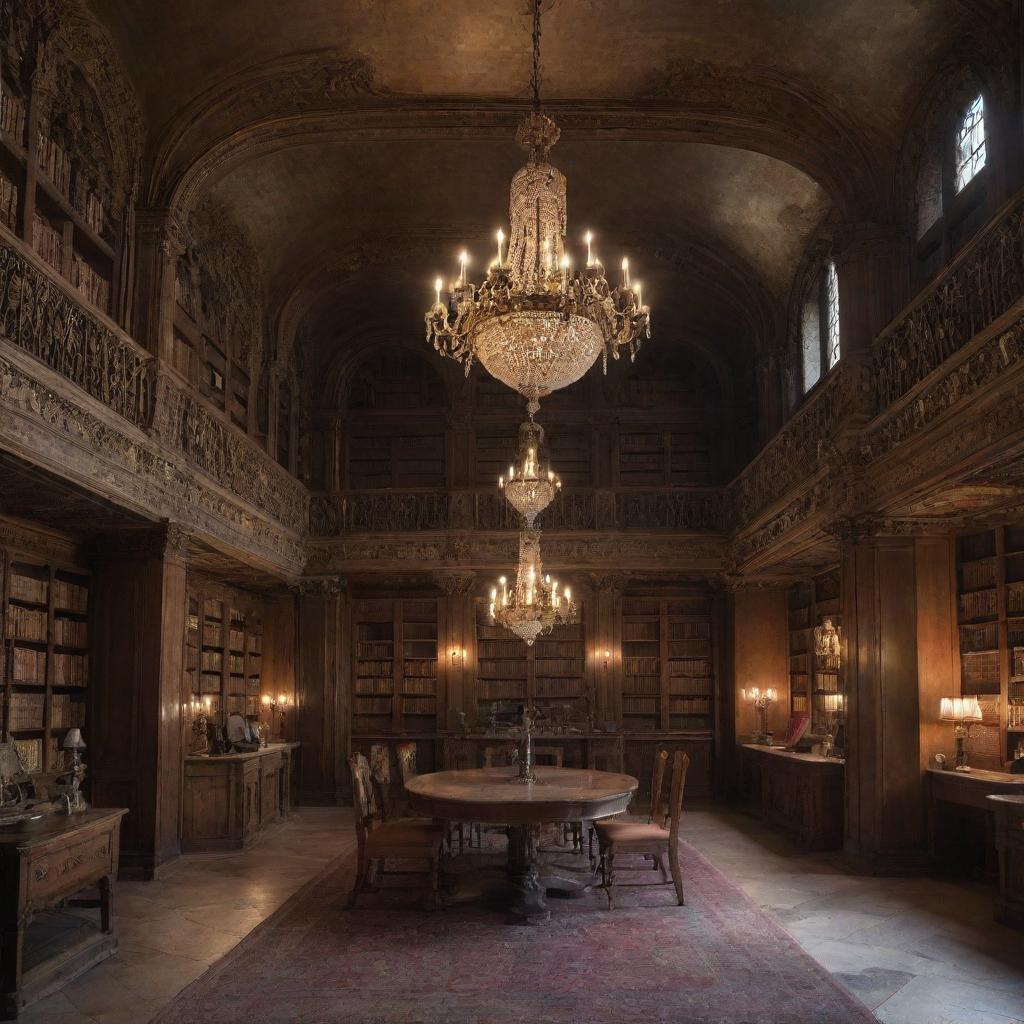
[970, 143]
[819, 327]
[832, 313]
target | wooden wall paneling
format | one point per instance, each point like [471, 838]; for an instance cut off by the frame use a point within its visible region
[760, 648]
[938, 655]
[885, 824]
[321, 707]
[135, 697]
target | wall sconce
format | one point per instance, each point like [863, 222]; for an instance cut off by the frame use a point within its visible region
[273, 704]
[761, 699]
[963, 712]
[607, 657]
[458, 654]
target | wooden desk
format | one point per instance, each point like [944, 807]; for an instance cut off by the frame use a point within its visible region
[961, 823]
[41, 865]
[801, 793]
[1008, 810]
[229, 799]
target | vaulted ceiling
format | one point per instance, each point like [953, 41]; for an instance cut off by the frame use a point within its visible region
[361, 142]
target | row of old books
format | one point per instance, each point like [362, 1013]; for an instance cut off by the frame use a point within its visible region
[8, 203]
[53, 158]
[413, 685]
[26, 623]
[70, 669]
[28, 665]
[28, 588]
[26, 711]
[90, 283]
[12, 115]
[374, 686]
[66, 712]
[70, 633]
[70, 596]
[213, 661]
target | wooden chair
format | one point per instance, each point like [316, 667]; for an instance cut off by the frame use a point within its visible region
[653, 839]
[657, 780]
[554, 757]
[380, 841]
[408, 768]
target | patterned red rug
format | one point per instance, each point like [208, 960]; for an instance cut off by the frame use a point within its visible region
[719, 958]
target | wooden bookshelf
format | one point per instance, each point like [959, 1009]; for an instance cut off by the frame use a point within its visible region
[799, 611]
[668, 678]
[223, 650]
[394, 669]
[54, 198]
[550, 674]
[990, 607]
[813, 679]
[45, 664]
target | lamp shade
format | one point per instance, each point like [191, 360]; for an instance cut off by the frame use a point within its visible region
[960, 709]
[73, 740]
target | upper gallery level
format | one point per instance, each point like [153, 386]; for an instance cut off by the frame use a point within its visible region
[223, 266]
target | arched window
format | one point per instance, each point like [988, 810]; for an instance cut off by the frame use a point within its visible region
[970, 144]
[952, 189]
[819, 327]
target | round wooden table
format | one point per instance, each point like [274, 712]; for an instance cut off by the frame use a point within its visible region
[497, 796]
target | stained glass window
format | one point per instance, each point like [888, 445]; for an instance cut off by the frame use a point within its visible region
[832, 314]
[970, 143]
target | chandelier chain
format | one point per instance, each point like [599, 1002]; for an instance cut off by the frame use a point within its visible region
[535, 76]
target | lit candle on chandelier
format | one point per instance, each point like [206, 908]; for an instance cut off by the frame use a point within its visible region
[589, 236]
[565, 273]
[501, 238]
[437, 289]
[638, 288]
[463, 260]
[625, 271]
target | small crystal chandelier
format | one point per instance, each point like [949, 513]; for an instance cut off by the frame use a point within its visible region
[533, 605]
[534, 322]
[529, 487]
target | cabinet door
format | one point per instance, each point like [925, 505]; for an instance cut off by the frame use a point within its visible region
[270, 805]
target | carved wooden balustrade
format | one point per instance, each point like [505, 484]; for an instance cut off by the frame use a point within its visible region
[42, 316]
[982, 284]
[577, 509]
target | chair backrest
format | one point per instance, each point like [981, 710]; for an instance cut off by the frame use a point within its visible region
[659, 814]
[380, 772]
[500, 757]
[406, 754]
[550, 757]
[364, 797]
[680, 764]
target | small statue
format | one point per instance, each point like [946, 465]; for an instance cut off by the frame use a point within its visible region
[200, 740]
[264, 733]
[828, 643]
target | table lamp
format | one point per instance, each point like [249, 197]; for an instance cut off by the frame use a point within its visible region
[963, 712]
[73, 792]
[760, 699]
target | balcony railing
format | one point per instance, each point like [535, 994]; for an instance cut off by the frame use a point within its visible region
[42, 315]
[579, 509]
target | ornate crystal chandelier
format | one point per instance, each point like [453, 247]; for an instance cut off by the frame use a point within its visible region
[530, 488]
[534, 322]
[533, 605]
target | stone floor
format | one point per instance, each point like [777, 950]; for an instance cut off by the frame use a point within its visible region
[917, 951]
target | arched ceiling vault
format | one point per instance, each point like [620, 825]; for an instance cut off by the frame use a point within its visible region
[359, 142]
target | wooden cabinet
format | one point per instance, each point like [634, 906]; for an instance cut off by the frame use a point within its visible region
[39, 868]
[800, 793]
[229, 800]
[1008, 810]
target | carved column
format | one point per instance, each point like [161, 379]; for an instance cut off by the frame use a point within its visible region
[899, 655]
[321, 692]
[456, 649]
[159, 244]
[866, 267]
[136, 697]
